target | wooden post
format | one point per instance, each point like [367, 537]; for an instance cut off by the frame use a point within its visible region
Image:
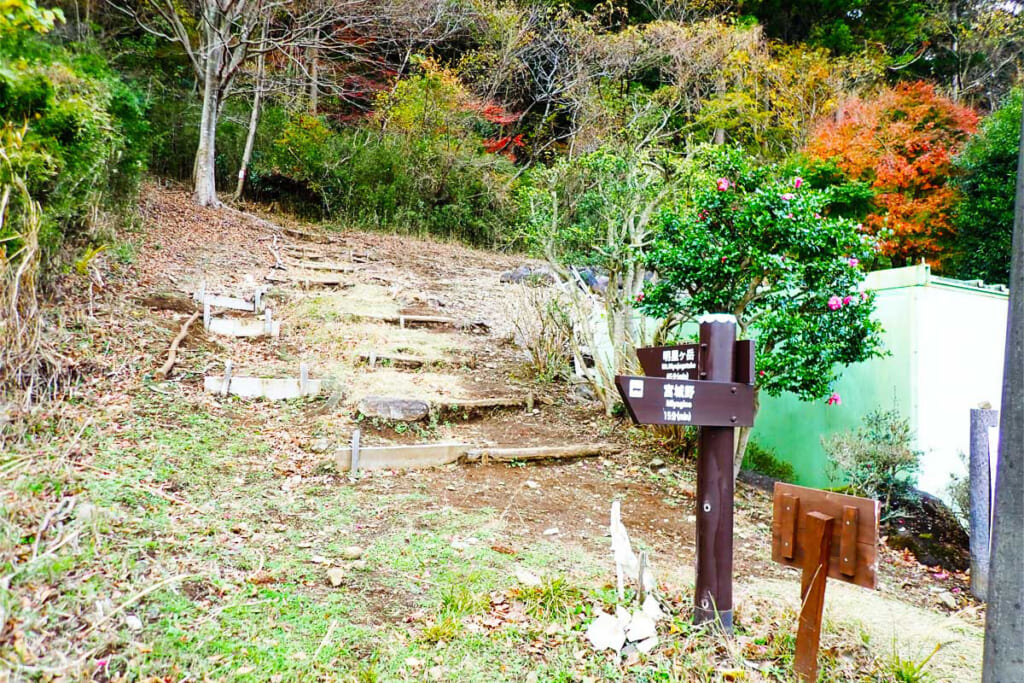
[353, 467]
[817, 544]
[713, 589]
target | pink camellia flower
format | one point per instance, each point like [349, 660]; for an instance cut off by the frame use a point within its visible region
[854, 262]
[798, 182]
[847, 300]
[835, 303]
[863, 296]
[789, 215]
[723, 184]
[787, 196]
[835, 399]
[817, 215]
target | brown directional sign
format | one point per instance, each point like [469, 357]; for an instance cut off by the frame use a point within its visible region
[827, 535]
[670, 362]
[653, 400]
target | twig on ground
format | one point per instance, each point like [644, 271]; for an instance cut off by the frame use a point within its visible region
[327, 638]
[134, 599]
[172, 352]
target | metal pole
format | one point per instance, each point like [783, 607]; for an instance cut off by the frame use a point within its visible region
[1004, 621]
[713, 589]
[981, 499]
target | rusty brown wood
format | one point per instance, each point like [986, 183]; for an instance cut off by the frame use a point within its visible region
[787, 508]
[848, 541]
[816, 539]
[831, 504]
[743, 363]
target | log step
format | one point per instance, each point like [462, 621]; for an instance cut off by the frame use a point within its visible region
[541, 452]
[326, 279]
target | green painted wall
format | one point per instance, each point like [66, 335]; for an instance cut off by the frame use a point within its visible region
[794, 429]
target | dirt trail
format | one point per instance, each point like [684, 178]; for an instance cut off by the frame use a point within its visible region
[332, 327]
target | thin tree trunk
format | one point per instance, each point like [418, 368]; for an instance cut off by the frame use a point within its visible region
[314, 81]
[1004, 622]
[250, 138]
[743, 440]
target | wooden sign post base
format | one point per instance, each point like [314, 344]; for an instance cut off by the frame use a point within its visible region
[818, 548]
[803, 527]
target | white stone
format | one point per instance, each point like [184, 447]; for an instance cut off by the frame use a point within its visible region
[645, 646]
[133, 623]
[352, 552]
[604, 633]
[652, 609]
[641, 627]
[528, 579]
[335, 575]
[553, 531]
[623, 615]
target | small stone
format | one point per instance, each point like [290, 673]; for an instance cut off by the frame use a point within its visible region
[360, 565]
[553, 628]
[87, 512]
[528, 579]
[335, 575]
[647, 645]
[413, 663]
[531, 484]
[604, 633]
[623, 615]
[948, 600]
[320, 445]
[652, 609]
[641, 627]
[352, 552]
[656, 463]
[459, 545]
[553, 531]
[532, 677]
[133, 623]
[436, 672]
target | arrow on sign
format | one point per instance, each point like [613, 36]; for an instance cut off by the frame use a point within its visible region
[652, 400]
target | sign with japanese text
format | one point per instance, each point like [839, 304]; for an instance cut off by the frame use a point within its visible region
[653, 400]
[670, 362]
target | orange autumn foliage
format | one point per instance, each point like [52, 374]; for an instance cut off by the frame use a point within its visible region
[902, 142]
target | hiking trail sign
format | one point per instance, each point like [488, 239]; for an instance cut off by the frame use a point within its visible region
[711, 385]
[827, 535]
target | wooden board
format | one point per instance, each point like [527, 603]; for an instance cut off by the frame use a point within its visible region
[541, 452]
[233, 327]
[401, 457]
[308, 278]
[864, 541]
[326, 265]
[272, 389]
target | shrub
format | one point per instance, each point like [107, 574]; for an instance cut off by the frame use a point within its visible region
[765, 461]
[83, 148]
[876, 460]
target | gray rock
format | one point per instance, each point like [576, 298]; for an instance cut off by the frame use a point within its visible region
[656, 463]
[321, 445]
[133, 622]
[335, 575]
[534, 275]
[352, 552]
[528, 579]
[948, 600]
[400, 409]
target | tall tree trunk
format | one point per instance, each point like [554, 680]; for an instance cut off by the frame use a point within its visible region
[1004, 623]
[205, 180]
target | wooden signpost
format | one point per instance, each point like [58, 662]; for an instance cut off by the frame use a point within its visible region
[716, 394]
[826, 535]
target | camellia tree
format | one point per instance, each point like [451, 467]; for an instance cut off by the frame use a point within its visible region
[767, 250]
[903, 142]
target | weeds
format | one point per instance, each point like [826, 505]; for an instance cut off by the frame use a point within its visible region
[900, 669]
[555, 599]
